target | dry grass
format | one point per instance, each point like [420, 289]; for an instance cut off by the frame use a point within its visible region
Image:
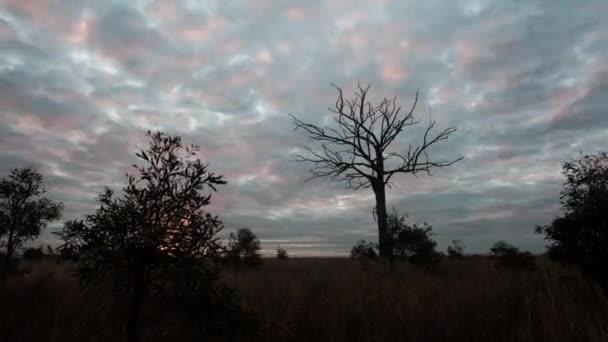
[335, 300]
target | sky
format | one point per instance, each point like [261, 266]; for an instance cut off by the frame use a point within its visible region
[524, 82]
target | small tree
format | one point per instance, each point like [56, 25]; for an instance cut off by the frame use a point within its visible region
[156, 237]
[244, 247]
[411, 242]
[24, 212]
[456, 250]
[510, 256]
[282, 253]
[33, 253]
[364, 250]
[580, 235]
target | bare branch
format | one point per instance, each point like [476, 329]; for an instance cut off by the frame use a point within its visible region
[353, 150]
[418, 160]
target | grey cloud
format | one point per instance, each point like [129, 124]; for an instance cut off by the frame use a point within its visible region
[589, 110]
[523, 82]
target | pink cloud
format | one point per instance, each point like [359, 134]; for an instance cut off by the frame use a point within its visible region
[6, 32]
[44, 13]
[561, 100]
[356, 41]
[195, 34]
[30, 124]
[80, 33]
[296, 13]
[202, 32]
[60, 153]
[264, 56]
[394, 72]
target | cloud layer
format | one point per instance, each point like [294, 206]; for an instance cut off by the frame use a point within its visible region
[524, 82]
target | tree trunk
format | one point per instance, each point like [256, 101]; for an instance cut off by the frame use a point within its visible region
[138, 295]
[10, 249]
[383, 243]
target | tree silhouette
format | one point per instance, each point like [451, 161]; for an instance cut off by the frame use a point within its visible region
[244, 247]
[33, 253]
[580, 235]
[509, 256]
[364, 250]
[411, 242]
[358, 149]
[456, 249]
[156, 237]
[24, 212]
[282, 253]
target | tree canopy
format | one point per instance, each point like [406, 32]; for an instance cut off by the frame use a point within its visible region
[580, 234]
[24, 211]
[244, 247]
[155, 236]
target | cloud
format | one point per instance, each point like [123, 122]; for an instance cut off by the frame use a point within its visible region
[81, 82]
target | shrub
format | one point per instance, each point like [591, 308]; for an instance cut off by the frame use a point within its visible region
[456, 249]
[364, 250]
[155, 238]
[244, 248]
[282, 254]
[509, 256]
[411, 242]
[33, 253]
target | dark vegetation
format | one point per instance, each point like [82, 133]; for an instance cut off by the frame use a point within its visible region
[580, 235]
[33, 253]
[364, 250]
[509, 256]
[456, 249]
[149, 263]
[155, 241]
[282, 253]
[24, 212]
[464, 300]
[243, 248]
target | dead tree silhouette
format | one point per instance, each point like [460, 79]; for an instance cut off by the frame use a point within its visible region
[356, 150]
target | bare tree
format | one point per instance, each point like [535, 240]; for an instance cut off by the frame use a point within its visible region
[356, 150]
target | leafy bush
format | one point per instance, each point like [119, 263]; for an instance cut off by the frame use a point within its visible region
[364, 250]
[282, 254]
[509, 256]
[154, 238]
[244, 248]
[456, 249]
[411, 242]
[8, 268]
[580, 235]
[33, 253]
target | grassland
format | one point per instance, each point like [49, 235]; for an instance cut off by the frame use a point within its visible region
[332, 300]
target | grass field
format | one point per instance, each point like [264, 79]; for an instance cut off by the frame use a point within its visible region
[333, 300]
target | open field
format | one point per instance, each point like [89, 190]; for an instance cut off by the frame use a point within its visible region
[334, 300]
